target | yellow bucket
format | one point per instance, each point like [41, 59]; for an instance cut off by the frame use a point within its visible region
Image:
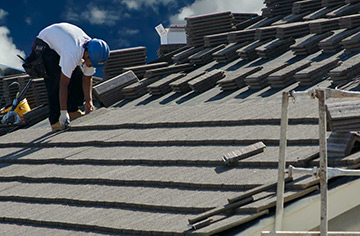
[21, 108]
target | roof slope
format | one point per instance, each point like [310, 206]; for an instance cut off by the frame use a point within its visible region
[154, 164]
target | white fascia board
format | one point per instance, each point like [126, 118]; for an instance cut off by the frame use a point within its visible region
[304, 214]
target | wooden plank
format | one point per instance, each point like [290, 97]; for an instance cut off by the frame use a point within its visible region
[234, 156]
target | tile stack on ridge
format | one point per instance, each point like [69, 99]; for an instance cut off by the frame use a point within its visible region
[140, 70]
[205, 56]
[321, 13]
[228, 53]
[331, 3]
[37, 94]
[248, 23]
[235, 79]
[308, 44]
[241, 17]
[305, 6]
[264, 33]
[352, 43]
[332, 44]
[199, 26]
[285, 76]
[277, 7]
[110, 91]
[139, 88]
[349, 69]
[320, 26]
[206, 81]
[290, 19]
[343, 116]
[248, 52]
[316, 72]
[274, 48]
[215, 39]
[241, 36]
[162, 86]
[183, 56]
[340, 144]
[350, 21]
[168, 70]
[259, 79]
[345, 10]
[167, 48]
[181, 85]
[292, 30]
[121, 58]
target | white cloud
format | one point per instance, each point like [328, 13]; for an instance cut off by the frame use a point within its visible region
[28, 20]
[200, 7]
[128, 32]
[3, 14]
[93, 14]
[99, 16]
[138, 4]
[8, 50]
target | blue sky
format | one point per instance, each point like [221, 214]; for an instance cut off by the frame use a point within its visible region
[122, 23]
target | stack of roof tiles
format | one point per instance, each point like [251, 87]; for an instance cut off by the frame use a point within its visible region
[332, 44]
[320, 26]
[292, 30]
[332, 3]
[308, 44]
[181, 85]
[235, 79]
[121, 58]
[350, 21]
[259, 79]
[350, 8]
[277, 7]
[343, 116]
[241, 17]
[139, 88]
[285, 76]
[206, 81]
[168, 70]
[140, 70]
[316, 72]
[205, 55]
[248, 52]
[162, 86]
[305, 6]
[110, 91]
[167, 48]
[352, 43]
[183, 56]
[241, 36]
[199, 26]
[228, 53]
[274, 48]
[346, 71]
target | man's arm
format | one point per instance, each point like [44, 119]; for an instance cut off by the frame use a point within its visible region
[87, 89]
[64, 82]
[63, 93]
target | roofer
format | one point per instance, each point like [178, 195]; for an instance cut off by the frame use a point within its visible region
[68, 58]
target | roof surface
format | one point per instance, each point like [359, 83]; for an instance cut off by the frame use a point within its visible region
[153, 164]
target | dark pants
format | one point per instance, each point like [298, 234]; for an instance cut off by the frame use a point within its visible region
[75, 91]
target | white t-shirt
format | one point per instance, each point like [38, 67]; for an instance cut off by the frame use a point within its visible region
[67, 40]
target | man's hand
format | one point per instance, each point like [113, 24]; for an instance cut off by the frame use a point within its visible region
[64, 119]
[89, 107]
